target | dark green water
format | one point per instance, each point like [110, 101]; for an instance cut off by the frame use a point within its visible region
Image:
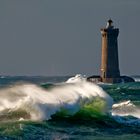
[86, 124]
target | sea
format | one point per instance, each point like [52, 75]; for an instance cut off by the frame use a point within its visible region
[68, 108]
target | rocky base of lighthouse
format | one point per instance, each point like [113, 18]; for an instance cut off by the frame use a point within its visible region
[121, 79]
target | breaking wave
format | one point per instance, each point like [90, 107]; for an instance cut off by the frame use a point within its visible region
[126, 108]
[31, 102]
[126, 113]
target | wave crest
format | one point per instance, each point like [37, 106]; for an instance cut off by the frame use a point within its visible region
[35, 103]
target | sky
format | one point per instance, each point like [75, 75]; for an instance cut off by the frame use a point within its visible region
[62, 37]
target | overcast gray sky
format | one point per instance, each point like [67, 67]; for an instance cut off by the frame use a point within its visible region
[62, 37]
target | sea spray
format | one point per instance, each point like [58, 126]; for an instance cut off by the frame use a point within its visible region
[41, 104]
[77, 78]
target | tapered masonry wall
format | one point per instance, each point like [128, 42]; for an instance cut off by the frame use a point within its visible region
[109, 60]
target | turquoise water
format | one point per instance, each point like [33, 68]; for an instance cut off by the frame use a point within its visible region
[29, 109]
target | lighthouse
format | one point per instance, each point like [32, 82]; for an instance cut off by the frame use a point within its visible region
[109, 59]
[109, 70]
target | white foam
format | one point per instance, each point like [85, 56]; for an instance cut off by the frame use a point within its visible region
[41, 103]
[126, 108]
[76, 78]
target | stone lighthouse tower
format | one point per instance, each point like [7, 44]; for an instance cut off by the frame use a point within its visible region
[110, 72]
